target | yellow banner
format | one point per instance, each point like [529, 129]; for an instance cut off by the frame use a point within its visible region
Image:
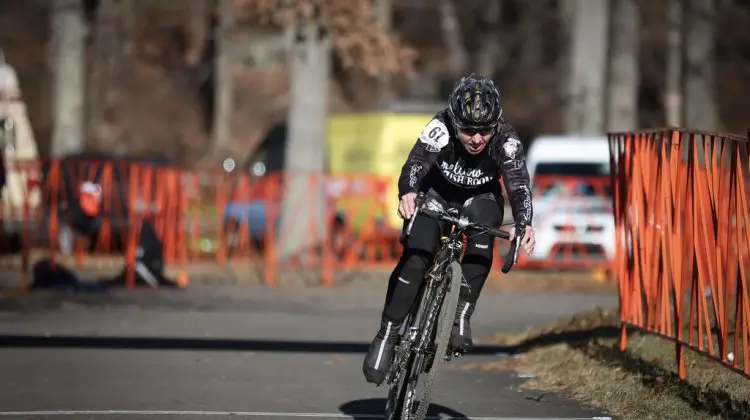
[374, 144]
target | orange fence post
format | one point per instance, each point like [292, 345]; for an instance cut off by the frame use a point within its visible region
[271, 193]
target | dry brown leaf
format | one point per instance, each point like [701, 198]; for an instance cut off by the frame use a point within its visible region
[356, 35]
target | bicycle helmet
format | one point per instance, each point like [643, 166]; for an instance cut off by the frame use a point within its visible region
[475, 104]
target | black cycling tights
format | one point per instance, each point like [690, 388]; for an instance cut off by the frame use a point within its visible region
[420, 247]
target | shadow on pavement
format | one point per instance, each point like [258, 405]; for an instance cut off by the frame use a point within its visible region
[291, 346]
[159, 343]
[366, 409]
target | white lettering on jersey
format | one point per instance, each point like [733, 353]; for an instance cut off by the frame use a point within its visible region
[457, 174]
[413, 175]
[435, 135]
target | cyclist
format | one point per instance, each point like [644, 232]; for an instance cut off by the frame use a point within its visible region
[456, 160]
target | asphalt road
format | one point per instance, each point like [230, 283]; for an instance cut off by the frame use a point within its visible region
[245, 353]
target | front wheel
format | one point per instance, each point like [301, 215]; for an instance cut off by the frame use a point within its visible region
[422, 357]
[445, 317]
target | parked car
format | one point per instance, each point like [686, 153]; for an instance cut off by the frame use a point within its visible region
[572, 199]
[574, 224]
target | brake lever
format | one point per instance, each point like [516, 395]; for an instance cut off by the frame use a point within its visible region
[419, 203]
[512, 257]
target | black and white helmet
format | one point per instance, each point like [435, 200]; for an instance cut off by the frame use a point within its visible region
[475, 104]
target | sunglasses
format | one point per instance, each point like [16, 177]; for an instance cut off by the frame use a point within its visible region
[469, 131]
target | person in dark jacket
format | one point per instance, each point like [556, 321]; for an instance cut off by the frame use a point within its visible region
[456, 160]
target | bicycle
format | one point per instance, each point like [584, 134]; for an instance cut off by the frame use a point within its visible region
[423, 344]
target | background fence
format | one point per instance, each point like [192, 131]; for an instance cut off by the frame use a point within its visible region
[221, 219]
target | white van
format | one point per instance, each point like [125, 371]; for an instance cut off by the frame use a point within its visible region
[568, 155]
[573, 219]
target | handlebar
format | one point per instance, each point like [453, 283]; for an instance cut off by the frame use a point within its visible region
[463, 223]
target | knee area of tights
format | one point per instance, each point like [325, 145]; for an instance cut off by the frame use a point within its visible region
[416, 261]
[481, 249]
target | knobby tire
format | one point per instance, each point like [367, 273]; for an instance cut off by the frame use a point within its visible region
[434, 317]
[444, 326]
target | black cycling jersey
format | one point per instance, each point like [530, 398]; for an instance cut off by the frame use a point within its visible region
[439, 157]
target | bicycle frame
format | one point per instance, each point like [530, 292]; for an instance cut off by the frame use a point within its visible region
[451, 248]
[461, 225]
[428, 317]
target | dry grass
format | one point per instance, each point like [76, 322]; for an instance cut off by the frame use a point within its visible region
[579, 356]
[568, 281]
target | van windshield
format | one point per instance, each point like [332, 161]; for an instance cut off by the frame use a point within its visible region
[590, 184]
[572, 168]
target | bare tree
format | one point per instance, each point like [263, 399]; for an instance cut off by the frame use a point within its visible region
[622, 109]
[358, 40]
[458, 58]
[587, 86]
[103, 94]
[316, 29]
[69, 67]
[198, 13]
[700, 96]
[491, 49]
[223, 80]
[303, 211]
[532, 28]
[384, 13]
[673, 85]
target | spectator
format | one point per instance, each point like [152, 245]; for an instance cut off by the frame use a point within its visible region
[9, 88]
[18, 149]
[3, 136]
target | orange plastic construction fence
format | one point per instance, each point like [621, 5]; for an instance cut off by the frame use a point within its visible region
[344, 221]
[129, 194]
[683, 240]
[318, 225]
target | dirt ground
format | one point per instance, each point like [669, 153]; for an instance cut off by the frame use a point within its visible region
[255, 273]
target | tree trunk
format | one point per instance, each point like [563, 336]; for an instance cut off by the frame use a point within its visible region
[533, 30]
[198, 31]
[700, 99]
[126, 74]
[673, 85]
[69, 65]
[622, 112]
[458, 59]
[700, 87]
[302, 214]
[587, 86]
[223, 80]
[490, 52]
[103, 83]
[384, 13]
